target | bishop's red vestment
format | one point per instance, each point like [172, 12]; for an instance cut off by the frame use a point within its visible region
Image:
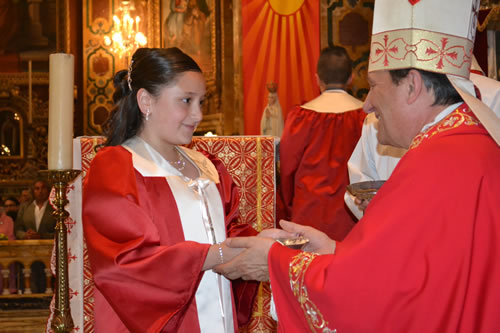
[424, 258]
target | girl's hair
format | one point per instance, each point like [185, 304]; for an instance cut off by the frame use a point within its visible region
[151, 69]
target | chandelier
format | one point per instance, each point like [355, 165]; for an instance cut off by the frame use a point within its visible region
[126, 36]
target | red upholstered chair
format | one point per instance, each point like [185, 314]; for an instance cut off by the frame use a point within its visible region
[251, 163]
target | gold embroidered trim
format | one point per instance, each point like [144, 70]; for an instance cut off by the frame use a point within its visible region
[458, 117]
[297, 272]
[259, 184]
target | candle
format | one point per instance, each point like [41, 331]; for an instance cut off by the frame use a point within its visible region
[30, 83]
[61, 82]
[126, 23]
[117, 22]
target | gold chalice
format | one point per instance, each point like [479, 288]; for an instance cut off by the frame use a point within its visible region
[365, 190]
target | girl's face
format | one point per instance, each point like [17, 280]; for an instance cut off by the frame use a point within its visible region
[175, 113]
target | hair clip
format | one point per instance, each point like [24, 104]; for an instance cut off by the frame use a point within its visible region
[129, 77]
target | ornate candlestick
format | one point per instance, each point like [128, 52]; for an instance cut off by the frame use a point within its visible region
[62, 320]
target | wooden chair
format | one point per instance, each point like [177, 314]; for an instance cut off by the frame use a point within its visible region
[251, 162]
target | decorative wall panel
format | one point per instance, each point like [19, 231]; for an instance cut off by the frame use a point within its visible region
[348, 23]
[100, 63]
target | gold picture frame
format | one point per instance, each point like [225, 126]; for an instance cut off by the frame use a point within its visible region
[200, 34]
[192, 28]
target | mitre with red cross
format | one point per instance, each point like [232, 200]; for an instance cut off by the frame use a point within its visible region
[432, 35]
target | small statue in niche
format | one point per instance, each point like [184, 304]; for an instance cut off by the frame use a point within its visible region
[271, 122]
[10, 133]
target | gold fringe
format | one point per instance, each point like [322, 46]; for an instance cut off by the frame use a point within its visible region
[259, 185]
[494, 11]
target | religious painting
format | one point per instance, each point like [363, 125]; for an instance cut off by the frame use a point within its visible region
[29, 35]
[189, 25]
[30, 31]
[11, 133]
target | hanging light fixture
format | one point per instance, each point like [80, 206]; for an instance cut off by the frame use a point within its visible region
[126, 35]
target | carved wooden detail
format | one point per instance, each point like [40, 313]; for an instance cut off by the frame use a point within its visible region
[26, 313]
[22, 169]
[19, 170]
[25, 252]
[348, 24]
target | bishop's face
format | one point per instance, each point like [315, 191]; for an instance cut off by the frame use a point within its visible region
[388, 101]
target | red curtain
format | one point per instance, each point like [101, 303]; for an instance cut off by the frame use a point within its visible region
[481, 43]
[281, 43]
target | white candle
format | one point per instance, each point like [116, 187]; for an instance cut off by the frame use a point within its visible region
[30, 83]
[61, 81]
[117, 22]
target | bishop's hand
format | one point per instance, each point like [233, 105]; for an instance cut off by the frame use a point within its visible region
[319, 242]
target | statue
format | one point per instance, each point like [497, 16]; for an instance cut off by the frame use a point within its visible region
[271, 122]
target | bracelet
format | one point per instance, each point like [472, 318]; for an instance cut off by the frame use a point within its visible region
[220, 253]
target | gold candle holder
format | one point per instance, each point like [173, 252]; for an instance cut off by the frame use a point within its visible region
[62, 320]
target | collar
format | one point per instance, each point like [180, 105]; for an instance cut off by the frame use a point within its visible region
[335, 90]
[441, 116]
[333, 101]
[151, 163]
[44, 204]
[462, 115]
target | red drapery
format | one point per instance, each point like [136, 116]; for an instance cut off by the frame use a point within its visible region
[481, 43]
[281, 43]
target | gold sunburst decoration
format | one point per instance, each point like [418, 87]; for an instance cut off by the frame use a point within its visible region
[280, 44]
[286, 7]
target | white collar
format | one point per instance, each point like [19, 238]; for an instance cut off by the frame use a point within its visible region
[333, 101]
[151, 163]
[335, 90]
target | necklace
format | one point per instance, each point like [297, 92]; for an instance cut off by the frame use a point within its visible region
[180, 164]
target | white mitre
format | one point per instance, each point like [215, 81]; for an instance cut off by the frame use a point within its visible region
[432, 35]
